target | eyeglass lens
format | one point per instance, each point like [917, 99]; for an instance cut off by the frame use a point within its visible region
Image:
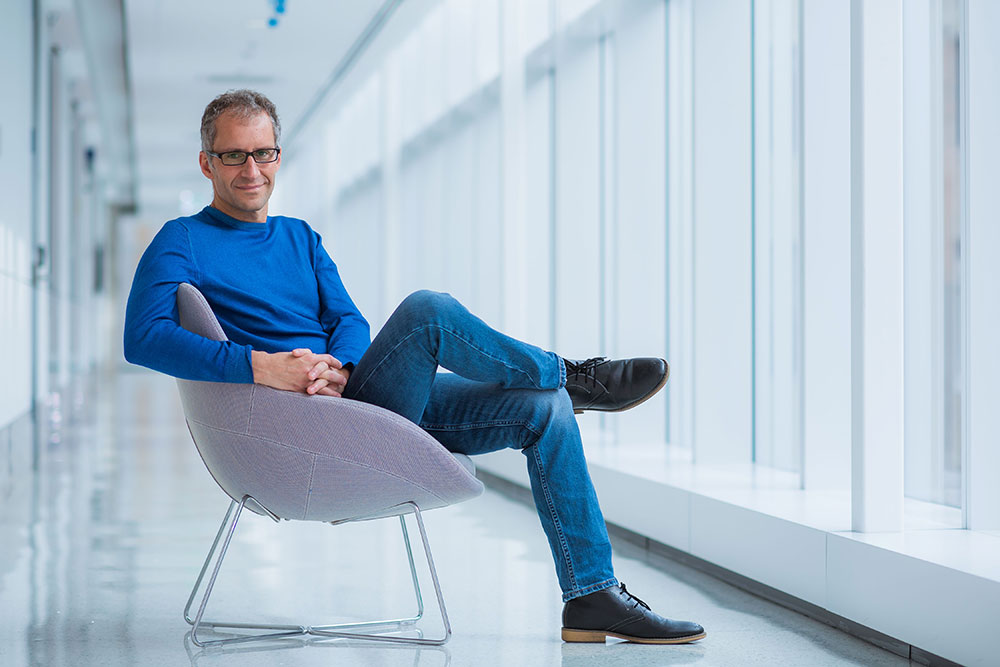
[261, 155]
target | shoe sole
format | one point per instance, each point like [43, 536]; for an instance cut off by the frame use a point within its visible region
[653, 392]
[599, 637]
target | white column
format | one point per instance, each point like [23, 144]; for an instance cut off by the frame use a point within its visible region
[15, 219]
[723, 172]
[512, 193]
[636, 201]
[392, 139]
[826, 169]
[680, 225]
[982, 248]
[876, 265]
[577, 201]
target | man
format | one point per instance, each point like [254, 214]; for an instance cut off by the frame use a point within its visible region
[292, 326]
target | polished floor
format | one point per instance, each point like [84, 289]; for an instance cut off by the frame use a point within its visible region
[108, 513]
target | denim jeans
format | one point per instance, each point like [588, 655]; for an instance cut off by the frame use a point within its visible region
[501, 393]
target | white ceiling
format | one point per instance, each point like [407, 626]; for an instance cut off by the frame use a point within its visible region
[183, 53]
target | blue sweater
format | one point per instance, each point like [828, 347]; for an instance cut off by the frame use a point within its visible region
[272, 286]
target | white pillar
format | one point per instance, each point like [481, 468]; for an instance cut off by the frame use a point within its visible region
[982, 248]
[392, 138]
[826, 172]
[722, 224]
[876, 265]
[514, 218]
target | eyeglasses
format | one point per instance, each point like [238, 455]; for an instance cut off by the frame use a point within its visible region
[236, 158]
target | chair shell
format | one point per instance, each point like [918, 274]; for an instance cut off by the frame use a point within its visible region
[316, 458]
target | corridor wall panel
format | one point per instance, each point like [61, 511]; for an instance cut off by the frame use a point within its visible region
[459, 212]
[723, 275]
[827, 238]
[983, 456]
[15, 213]
[577, 193]
[637, 308]
[488, 234]
[538, 209]
[354, 241]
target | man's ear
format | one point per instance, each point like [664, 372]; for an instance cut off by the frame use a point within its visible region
[206, 168]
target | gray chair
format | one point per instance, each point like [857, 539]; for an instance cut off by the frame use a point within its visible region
[259, 445]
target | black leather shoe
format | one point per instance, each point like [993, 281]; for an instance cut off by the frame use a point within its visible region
[613, 385]
[614, 612]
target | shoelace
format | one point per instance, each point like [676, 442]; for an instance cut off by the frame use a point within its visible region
[585, 368]
[632, 597]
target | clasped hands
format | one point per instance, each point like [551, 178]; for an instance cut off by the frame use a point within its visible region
[300, 370]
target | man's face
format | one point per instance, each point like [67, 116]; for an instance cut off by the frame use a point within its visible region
[241, 191]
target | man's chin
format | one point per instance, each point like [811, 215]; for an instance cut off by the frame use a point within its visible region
[252, 206]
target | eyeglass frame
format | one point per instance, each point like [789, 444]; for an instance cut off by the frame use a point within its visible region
[246, 156]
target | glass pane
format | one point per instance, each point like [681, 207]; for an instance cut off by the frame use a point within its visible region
[954, 378]
[777, 235]
[933, 205]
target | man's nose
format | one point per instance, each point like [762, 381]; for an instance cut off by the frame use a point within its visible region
[250, 168]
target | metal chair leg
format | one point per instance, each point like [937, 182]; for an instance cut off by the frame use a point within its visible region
[197, 623]
[413, 570]
[204, 567]
[339, 630]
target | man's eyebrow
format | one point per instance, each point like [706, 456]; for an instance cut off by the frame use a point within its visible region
[242, 150]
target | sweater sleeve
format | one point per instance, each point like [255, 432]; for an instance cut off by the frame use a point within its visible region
[153, 336]
[348, 330]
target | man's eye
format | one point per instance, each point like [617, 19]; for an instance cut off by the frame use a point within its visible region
[232, 156]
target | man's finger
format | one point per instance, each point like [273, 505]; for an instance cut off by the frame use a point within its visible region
[316, 386]
[318, 370]
[335, 376]
[328, 359]
[301, 352]
[326, 383]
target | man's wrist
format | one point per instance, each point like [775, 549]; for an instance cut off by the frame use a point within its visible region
[258, 365]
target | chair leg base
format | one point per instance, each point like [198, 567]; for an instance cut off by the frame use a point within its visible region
[336, 631]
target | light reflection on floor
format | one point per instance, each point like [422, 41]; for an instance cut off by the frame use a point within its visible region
[100, 545]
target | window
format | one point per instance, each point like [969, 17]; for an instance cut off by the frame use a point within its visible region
[934, 239]
[777, 240]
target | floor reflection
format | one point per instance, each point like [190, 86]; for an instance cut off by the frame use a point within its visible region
[108, 513]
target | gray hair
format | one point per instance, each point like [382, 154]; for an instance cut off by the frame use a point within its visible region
[245, 104]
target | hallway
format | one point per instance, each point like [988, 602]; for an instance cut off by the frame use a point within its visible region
[102, 543]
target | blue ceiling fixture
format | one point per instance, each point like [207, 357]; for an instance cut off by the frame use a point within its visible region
[279, 9]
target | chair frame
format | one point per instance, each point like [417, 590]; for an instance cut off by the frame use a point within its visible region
[342, 630]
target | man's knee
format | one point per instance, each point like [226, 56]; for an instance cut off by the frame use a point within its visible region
[551, 420]
[552, 405]
[425, 305]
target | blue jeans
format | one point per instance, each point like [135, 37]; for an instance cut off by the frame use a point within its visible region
[501, 393]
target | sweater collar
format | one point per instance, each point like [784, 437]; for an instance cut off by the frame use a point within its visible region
[218, 216]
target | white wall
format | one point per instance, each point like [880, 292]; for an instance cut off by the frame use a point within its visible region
[15, 215]
[723, 281]
[72, 320]
[636, 223]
